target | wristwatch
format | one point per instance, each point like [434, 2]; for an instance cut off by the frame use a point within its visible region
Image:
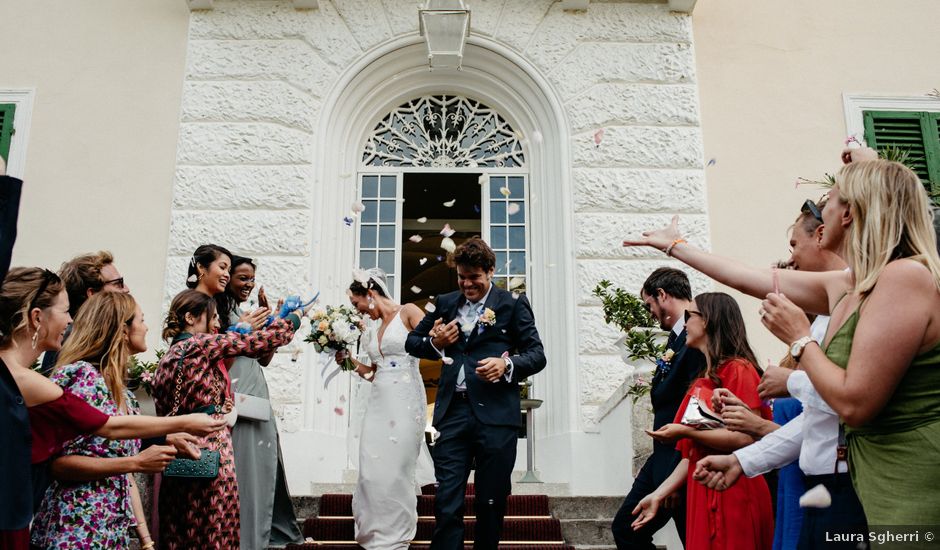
[796, 348]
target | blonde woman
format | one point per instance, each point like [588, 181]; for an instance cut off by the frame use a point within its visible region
[102, 508]
[879, 367]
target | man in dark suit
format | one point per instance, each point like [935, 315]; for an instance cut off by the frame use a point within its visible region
[667, 294]
[488, 342]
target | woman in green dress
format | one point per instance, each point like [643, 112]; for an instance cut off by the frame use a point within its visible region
[879, 367]
[267, 516]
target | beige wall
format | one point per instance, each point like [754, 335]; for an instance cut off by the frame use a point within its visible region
[99, 172]
[771, 77]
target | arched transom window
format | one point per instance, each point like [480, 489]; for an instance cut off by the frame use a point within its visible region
[436, 171]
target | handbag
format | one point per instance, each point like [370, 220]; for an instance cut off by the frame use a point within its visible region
[207, 465]
[699, 416]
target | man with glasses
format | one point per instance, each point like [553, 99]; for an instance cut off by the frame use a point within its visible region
[83, 276]
[667, 295]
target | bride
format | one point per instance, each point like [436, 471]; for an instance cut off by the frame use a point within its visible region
[393, 458]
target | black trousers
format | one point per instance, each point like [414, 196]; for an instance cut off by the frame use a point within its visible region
[464, 441]
[823, 528]
[656, 469]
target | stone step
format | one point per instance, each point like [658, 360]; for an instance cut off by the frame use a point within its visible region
[591, 532]
[584, 507]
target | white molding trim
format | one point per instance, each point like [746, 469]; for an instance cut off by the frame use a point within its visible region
[682, 6]
[23, 98]
[396, 72]
[855, 104]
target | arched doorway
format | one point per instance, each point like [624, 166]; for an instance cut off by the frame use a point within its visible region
[437, 170]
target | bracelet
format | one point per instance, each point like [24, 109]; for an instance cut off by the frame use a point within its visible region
[672, 245]
[147, 546]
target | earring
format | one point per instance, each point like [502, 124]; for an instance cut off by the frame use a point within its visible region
[371, 303]
[35, 340]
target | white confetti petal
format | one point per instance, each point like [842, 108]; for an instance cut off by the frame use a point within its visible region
[430, 307]
[447, 360]
[358, 207]
[447, 231]
[516, 282]
[536, 137]
[817, 497]
[513, 208]
[448, 244]
[450, 203]
[505, 191]
[483, 179]
[415, 238]
[368, 375]
[416, 289]
[422, 261]
[422, 219]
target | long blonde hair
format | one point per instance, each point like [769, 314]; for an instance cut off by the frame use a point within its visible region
[99, 336]
[892, 219]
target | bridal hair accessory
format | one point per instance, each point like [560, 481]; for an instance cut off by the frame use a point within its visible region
[372, 278]
[192, 278]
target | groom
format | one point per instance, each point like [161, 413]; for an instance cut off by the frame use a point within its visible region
[488, 342]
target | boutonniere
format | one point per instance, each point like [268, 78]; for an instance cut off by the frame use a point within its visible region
[664, 363]
[488, 317]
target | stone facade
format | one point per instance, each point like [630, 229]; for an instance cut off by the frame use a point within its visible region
[258, 73]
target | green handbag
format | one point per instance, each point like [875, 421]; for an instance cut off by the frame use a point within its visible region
[206, 467]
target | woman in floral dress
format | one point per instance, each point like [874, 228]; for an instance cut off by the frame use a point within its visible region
[192, 376]
[99, 512]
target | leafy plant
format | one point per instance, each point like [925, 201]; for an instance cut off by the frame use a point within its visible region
[140, 373]
[621, 308]
[638, 389]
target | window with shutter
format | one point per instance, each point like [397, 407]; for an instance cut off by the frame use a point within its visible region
[6, 129]
[917, 133]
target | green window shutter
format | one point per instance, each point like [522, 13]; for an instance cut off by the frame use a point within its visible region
[6, 128]
[917, 133]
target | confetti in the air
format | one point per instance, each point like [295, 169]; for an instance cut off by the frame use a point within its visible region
[476, 208]
[817, 497]
[430, 307]
[358, 207]
[516, 282]
[448, 360]
[450, 203]
[448, 244]
[342, 398]
[348, 221]
[416, 289]
[338, 411]
[505, 191]
[515, 295]
[440, 258]
[513, 208]
[598, 137]
[711, 162]
[415, 238]
[483, 179]
[422, 261]
[447, 231]
[422, 219]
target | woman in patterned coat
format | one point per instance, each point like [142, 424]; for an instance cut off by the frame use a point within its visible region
[192, 376]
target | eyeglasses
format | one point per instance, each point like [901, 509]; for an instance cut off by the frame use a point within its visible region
[48, 278]
[119, 282]
[689, 313]
[809, 207]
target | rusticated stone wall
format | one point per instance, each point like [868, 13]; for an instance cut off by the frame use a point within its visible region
[258, 72]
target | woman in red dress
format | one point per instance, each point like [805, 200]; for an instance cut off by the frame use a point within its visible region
[192, 376]
[741, 516]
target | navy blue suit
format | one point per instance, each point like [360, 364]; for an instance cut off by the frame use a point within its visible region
[480, 425]
[668, 390]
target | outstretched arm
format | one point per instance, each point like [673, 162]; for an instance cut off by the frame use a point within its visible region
[809, 290]
[647, 508]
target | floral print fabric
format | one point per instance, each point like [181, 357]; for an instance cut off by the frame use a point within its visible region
[94, 514]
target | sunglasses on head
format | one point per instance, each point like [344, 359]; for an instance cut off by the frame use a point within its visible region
[119, 282]
[48, 277]
[689, 313]
[809, 207]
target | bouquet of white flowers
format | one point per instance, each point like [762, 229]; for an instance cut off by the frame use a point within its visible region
[335, 328]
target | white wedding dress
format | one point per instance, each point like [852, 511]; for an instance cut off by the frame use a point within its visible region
[393, 459]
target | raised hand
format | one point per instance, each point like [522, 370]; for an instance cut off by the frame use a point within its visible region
[154, 459]
[718, 472]
[858, 154]
[783, 318]
[774, 383]
[256, 318]
[262, 298]
[658, 238]
[443, 335]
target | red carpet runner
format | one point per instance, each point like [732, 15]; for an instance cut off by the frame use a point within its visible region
[528, 524]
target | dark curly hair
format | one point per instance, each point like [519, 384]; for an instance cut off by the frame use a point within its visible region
[474, 252]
